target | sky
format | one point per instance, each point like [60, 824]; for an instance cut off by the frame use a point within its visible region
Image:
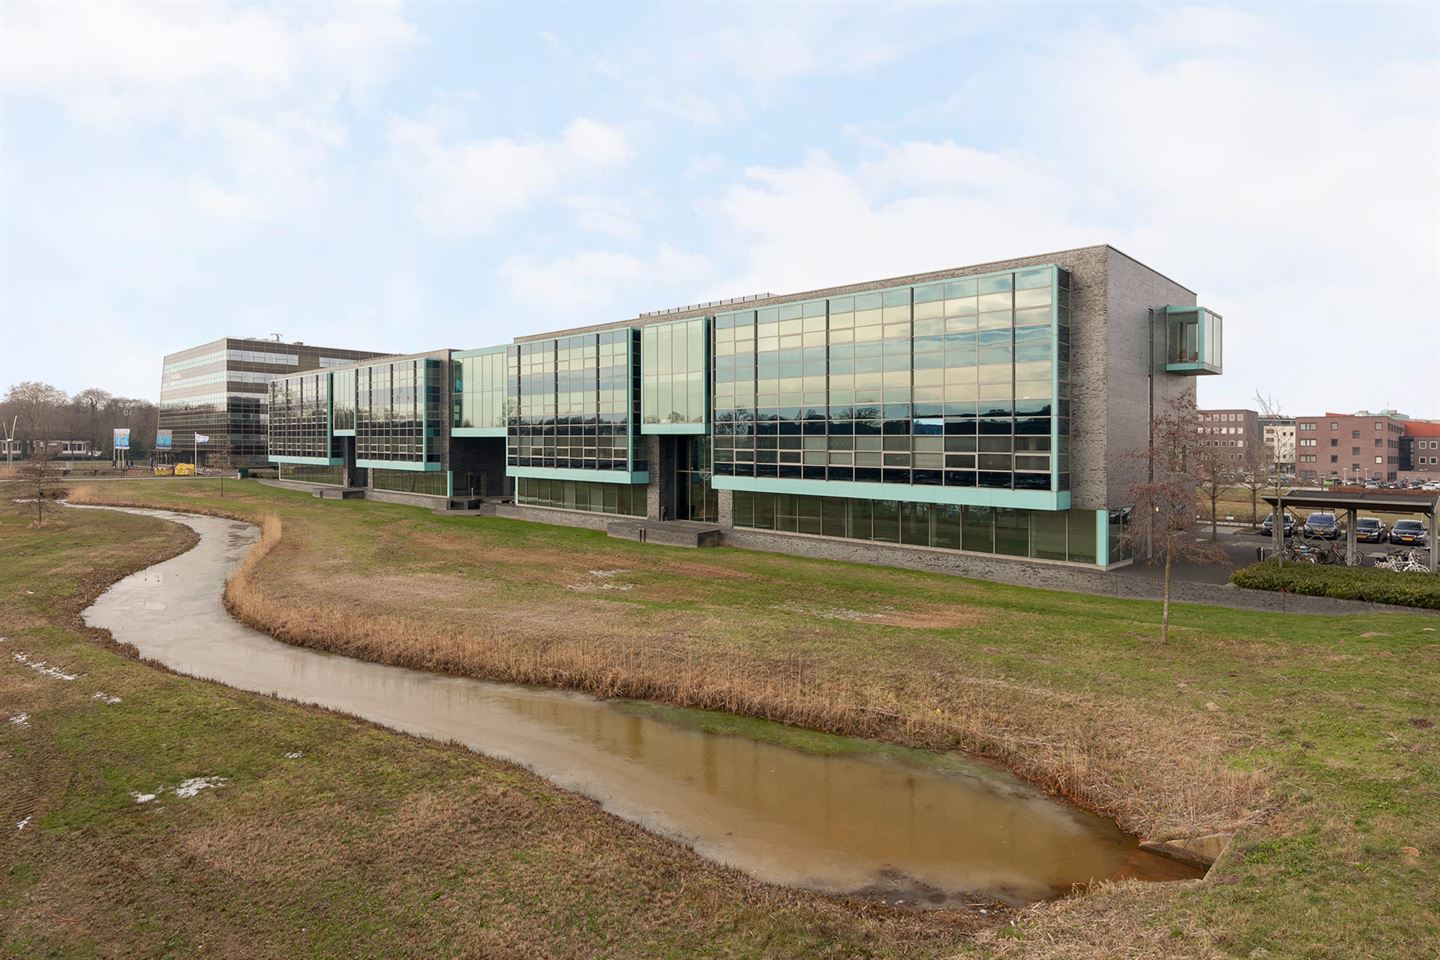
[410, 177]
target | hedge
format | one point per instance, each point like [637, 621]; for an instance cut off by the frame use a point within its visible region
[1343, 583]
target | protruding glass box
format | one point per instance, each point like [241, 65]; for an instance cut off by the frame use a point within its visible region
[1193, 338]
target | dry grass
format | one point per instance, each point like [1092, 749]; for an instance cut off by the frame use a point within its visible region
[1158, 774]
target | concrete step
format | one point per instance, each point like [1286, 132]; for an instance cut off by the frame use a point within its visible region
[340, 493]
[670, 533]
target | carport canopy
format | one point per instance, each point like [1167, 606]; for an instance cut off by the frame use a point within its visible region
[1353, 503]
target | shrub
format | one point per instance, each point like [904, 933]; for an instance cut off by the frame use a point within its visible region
[1343, 583]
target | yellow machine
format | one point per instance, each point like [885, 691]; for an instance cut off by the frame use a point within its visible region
[184, 469]
[165, 471]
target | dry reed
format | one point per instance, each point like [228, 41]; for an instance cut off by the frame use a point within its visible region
[1159, 774]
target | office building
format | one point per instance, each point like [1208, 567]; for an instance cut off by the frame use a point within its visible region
[219, 390]
[995, 409]
[1348, 448]
[1233, 435]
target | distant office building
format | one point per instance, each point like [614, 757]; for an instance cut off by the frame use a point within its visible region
[1233, 434]
[1349, 448]
[220, 389]
[1278, 436]
[995, 409]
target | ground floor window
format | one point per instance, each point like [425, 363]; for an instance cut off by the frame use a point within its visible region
[312, 473]
[409, 481]
[1044, 534]
[617, 498]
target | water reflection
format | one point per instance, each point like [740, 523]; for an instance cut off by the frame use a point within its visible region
[871, 820]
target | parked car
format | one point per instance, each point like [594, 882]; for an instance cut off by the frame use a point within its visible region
[1408, 531]
[1267, 529]
[1370, 530]
[1322, 525]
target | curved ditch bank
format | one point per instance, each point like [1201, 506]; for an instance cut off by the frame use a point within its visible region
[838, 815]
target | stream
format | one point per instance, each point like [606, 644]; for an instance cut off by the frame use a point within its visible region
[842, 816]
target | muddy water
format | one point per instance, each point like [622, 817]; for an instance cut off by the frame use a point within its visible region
[841, 816]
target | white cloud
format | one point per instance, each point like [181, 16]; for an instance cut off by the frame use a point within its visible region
[471, 186]
[1287, 188]
[588, 287]
[609, 216]
[114, 62]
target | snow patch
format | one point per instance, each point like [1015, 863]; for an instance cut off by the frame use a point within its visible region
[20, 720]
[142, 797]
[23, 824]
[103, 697]
[194, 785]
[40, 666]
[293, 755]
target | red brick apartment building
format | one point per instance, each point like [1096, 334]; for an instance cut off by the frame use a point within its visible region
[1420, 450]
[1236, 434]
[1349, 447]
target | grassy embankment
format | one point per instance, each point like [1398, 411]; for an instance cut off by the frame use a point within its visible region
[330, 837]
[1313, 736]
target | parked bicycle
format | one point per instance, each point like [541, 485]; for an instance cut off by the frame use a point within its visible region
[1405, 561]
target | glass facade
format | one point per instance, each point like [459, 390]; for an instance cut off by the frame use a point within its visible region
[961, 383]
[478, 391]
[398, 406]
[1042, 534]
[342, 392]
[300, 416]
[410, 481]
[674, 376]
[697, 498]
[617, 498]
[573, 404]
[312, 473]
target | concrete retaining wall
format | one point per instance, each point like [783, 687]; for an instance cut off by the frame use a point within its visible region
[409, 499]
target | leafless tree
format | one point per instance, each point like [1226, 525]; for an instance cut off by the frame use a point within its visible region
[1173, 470]
[1216, 474]
[1268, 405]
[1254, 475]
[38, 469]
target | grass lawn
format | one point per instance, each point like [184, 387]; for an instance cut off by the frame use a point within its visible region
[1313, 738]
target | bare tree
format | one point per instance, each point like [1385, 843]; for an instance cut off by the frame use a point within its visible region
[1254, 475]
[1269, 406]
[38, 469]
[1167, 496]
[1216, 474]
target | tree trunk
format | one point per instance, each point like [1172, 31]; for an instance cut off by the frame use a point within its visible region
[1165, 607]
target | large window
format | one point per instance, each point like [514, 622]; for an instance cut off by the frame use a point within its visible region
[299, 422]
[479, 390]
[672, 357]
[617, 498]
[962, 383]
[409, 481]
[342, 388]
[573, 404]
[397, 410]
[1050, 535]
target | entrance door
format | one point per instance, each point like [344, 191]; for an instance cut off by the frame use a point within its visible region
[680, 483]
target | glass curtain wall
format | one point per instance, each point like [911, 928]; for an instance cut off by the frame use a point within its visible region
[574, 403]
[342, 387]
[299, 423]
[397, 404]
[615, 498]
[1043, 534]
[479, 390]
[960, 383]
[672, 357]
